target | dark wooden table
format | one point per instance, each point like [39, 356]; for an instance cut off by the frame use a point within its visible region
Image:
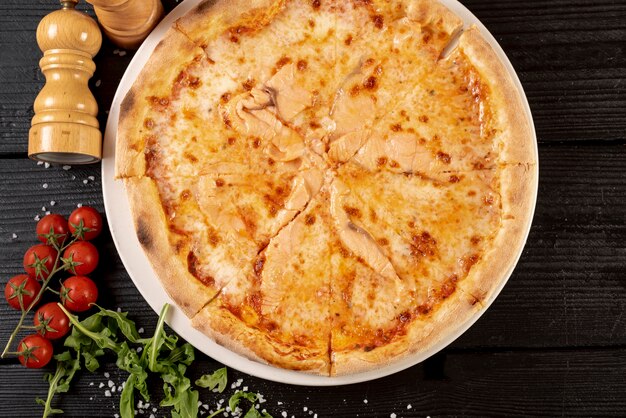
[554, 341]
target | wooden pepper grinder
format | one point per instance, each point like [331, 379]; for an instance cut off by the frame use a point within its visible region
[65, 129]
[127, 22]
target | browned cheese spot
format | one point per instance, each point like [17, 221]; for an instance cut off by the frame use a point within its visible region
[381, 161]
[443, 157]
[352, 211]
[302, 65]
[423, 119]
[423, 245]
[256, 143]
[396, 127]
[370, 83]
[316, 4]
[454, 178]
[378, 21]
[219, 182]
[231, 140]
[148, 123]
[284, 60]
[309, 219]
[249, 84]
[348, 40]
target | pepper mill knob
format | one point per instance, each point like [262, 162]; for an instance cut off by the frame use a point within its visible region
[127, 22]
[64, 128]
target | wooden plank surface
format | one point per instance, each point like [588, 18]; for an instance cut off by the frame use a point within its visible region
[553, 342]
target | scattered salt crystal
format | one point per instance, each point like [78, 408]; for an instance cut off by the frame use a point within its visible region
[91, 398]
[67, 167]
[39, 162]
[139, 349]
[119, 388]
[205, 406]
[140, 330]
[305, 409]
[119, 310]
[154, 409]
[92, 178]
[80, 205]
[392, 415]
[106, 374]
[101, 385]
[47, 212]
[98, 83]
[116, 51]
[36, 217]
[280, 403]
[364, 400]
[46, 165]
[122, 53]
[310, 412]
[110, 383]
[73, 177]
[152, 416]
[14, 235]
[409, 406]
[245, 388]
[45, 185]
[52, 203]
[90, 383]
[140, 404]
[85, 181]
[116, 416]
[284, 414]
[315, 416]
[43, 208]
[113, 389]
[107, 393]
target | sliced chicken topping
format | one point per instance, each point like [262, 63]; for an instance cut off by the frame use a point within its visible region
[400, 152]
[352, 110]
[344, 147]
[289, 98]
[253, 114]
[354, 238]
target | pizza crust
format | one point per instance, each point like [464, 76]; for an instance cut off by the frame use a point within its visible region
[229, 331]
[518, 183]
[155, 79]
[152, 232]
[517, 139]
[423, 334]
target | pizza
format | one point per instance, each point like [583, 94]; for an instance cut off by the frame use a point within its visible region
[327, 186]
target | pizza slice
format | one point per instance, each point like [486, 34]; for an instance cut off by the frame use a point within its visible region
[384, 51]
[280, 314]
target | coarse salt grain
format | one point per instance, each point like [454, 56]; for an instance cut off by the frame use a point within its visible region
[46, 165]
[305, 409]
[106, 374]
[45, 185]
[110, 383]
[90, 383]
[392, 415]
[47, 212]
[280, 403]
[79, 205]
[43, 208]
[122, 53]
[107, 393]
[92, 178]
[98, 83]
[101, 385]
[14, 235]
[36, 217]
[67, 167]
[53, 202]
[364, 400]
[409, 406]
[140, 330]
[85, 181]
[39, 162]
[284, 414]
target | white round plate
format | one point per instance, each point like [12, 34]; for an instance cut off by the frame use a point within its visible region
[142, 274]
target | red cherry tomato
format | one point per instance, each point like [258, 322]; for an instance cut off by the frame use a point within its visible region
[51, 322]
[86, 223]
[52, 227]
[81, 258]
[34, 351]
[39, 261]
[21, 286]
[78, 292]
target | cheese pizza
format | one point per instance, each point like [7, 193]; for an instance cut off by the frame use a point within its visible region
[327, 185]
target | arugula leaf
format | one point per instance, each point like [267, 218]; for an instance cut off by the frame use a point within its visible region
[233, 402]
[60, 381]
[254, 413]
[216, 379]
[124, 324]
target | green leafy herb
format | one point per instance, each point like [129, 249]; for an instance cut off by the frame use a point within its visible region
[60, 381]
[233, 402]
[216, 379]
